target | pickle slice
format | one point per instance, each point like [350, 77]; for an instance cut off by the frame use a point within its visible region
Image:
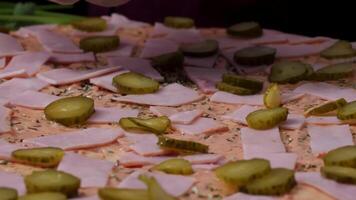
[134, 83]
[52, 181]
[42, 156]
[99, 44]
[245, 29]
[154, 190]
[340, 49]
[327, 108]
[266, 118]
[179, 22]
[254, 56]
[122, 194]
[157, 125]
[8, 193]
[235, 89]
[288, 72]
[277, 182]
[241, 172]
[175, 166]
[90, 24]
[333, 72]
[169, 61]
[70, 110]
[200, 49]
[127, 124]
[44, 196]
[182, 145]
[342, 156]
[339, 174]
[272, 97]
[347, 112]
[241, 81]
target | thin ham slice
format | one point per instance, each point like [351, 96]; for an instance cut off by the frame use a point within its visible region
[32, 99]
[17, 86]
[9, 45]
[228, 98]
[106, 80]
[206, 62]
[138, 65]
[229, 42]
[54, 42]
[240, 114]
[284, 160]
[301, 50]
[294, 39]
[329, 120]
[176, 117]
[326, 138]
[25, 65]
[145, 144]
[204, 159]
[122, 21]
[291, 96]
[86, 198]
[160, 29]
[156, 47]
[11, 180]
[185, 36]
[7, 148]
[201, 125]
[205, 78]
[333, 188]
[86, 138]
[294, 121]
[170, 95]
[111, 114]
[175, 185]
[92, 172]
[125, 49]
[131, 159]
[27, 31]
[242, 196]
[5, 119]
[64, 76]
[2, 62]
[256, 141]
[65, 58]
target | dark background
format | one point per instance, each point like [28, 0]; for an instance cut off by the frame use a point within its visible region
[313, 17]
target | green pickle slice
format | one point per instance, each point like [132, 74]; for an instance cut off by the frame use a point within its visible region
[200, 49]
[90, 24]
[179, 22]
[241, 81]
[135, 83]
[122, 194]
[347, 112]
[333, 72]
[342, 156]
[327, 108]
[235, 89]
[44, 196]
[255, 56]
[245, 29]
[154, 189]
[157, 125]
[183, 146]
[70, 110]
[288, 72]
[175, 166]
[277, 182]
[42, 156]
[339, 174]
[272, 97]
[169, 61]
[340, 49]
[8, 193]
[267, 118]
[52, 181]
[241, 172]
[98, 44]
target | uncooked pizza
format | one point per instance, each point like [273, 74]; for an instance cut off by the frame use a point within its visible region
[114, 109]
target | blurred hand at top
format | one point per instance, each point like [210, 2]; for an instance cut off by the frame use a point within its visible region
[103, 3]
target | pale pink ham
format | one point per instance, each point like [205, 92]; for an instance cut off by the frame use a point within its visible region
[111, 114]
[106, 80]
[32, 99]
[7, 148]
[206, 62]
[54, 42]
[291, 96]
[205, 78]
[64, 76]
[242, 196]
[131, 159]
[25, 65]
[86, 198]
[284, 160]
[204, 167]
[229, 42]
[9, 45]
[65, 58]
[125, 49]
[293, 51]
[185, 36]
[122, 21]
[145, 144]
[31, 30]
[256, 141]
[269, 37]
[176, 117]
[204, 158]
[201, 125]
[157, 47]
[326, 138]
[240, 114]
[17, 86]
[175, 185]
[160, 29]
[329, 120]
[138, 65]
[5, 117]
[228, 98]
[65, 2]
[2, 62]
[92, 172]
[170, 95]
[86, 138]
[294, 121]
[333, 188]
[300, 39]
[12, 180]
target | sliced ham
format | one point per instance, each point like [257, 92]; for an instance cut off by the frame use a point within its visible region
[329, 120]
[130, 159]
[122, 21]
[333, 188]
[228, 98]
[54, 42]
[301, 50]
[65, 58]
[326, 138]
[145, 144]
[9, 45]
[106, 80]
[138, 65]
[204, 167]
[176, 117]
[204, 158]
[111, 114]
[175, 185]
[125, 49]
[229, 42]
[33, 99]
[31, 30]
[157, 47]
[243, 196]
[64, 76]
[86, 198]
[185, 36]
[86, 138]
[92, 172]
[17, 86]
[160, 29]
[170, 95]
[24, 65]
[284, 160]
[294, 121]
[201, 125]
[7, 148]
[291, 96]
[256, 141]
[240, 114]
[294, 39]
[206, 62]
[205, 78]
[11, 180]
[2, 62]
[5, 119]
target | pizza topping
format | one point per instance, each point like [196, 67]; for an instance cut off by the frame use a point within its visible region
[201, 125]
[244, 196]
[2, 62]
[245, 29]
[201, 49]
[205, 79]
[9, 45]
[297, 51]
[170, 62]
[122, 194]
[175, 166]
[90, 24]
[333, 72]
[106, 81]
[134, 83]
[240, 114]
[183, 146]
[179, 22]
[54, 42]
[145, 144]
[293, 122]
[176, 117]
[43, 156]
[52, 181]
[5, 119]
[327, 108]
[154, 189]
[329, 120]
[266, 118]
[242, 81]
[272, 97]
[340, 49]
[17, 86]
[44, 195]
[130, 159]
[11, 180]
[342, 156]
[8, 193]
[254, 56]
[98, 44]
[111, 114]
[222, 86]
[339, 174]
[65, 58]
[284, 160]
[70, 110]
[225, 97]
[158, 46]
[288, 72]
[157, 125]
[32, 99]
[347, 112]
